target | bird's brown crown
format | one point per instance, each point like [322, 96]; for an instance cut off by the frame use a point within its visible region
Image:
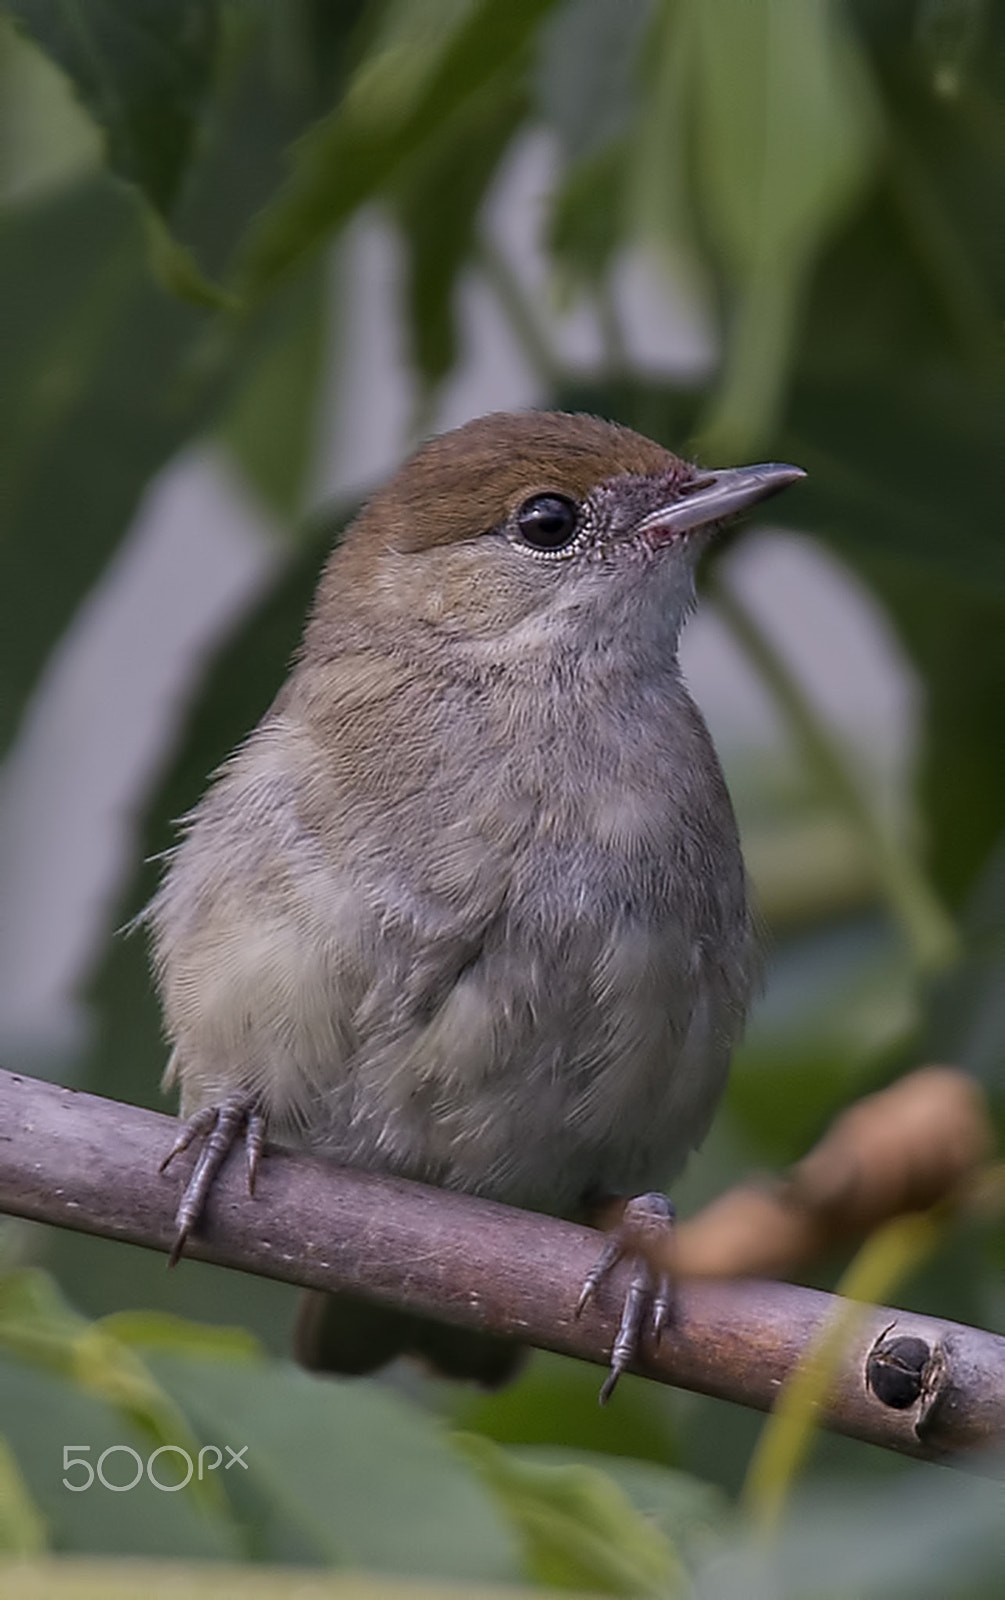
[463, 483]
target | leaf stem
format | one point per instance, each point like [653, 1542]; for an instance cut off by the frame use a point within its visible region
[930, 932]
[524, 321]
[886, 1257]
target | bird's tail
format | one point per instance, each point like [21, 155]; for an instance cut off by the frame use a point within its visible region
[349, 1335]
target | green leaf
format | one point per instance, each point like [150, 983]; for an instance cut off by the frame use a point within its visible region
[105, 377]
[437, 196]
[175, 268]
[45, 1412]
[953, 635]
[585, 77]
[63, 1578]
[946, 160]
[967, 1012]
[896, 460]
[924, 1533]
[158, 1330]
[555, 1403]
[838, 997]
[91, 405]
[22, 1525]
[38, 1326]
[588, 223]
[783, 125]
[102, 1276]
[899, 411]
[658, 195]
[692, 1514]
[369, 1479]
[578, 1529]
[903, 482]
[785, 138]
[270, 425]
[431, 58]
[142, 70]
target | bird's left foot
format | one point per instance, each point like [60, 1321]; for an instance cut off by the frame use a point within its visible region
[650, 1291]
[219, 1127]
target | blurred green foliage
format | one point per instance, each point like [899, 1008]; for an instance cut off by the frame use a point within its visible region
[825, 180]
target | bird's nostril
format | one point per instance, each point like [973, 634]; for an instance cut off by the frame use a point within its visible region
[694, 485]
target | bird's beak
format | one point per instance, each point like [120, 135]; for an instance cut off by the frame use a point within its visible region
[715, 495]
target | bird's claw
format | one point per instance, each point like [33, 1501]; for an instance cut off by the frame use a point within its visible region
[220, 1126]
[649, 1289]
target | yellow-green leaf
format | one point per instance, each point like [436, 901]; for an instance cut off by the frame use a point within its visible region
[22, 1526]
[579, 1531]
[38, 1326]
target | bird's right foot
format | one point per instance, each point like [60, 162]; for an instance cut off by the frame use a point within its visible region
[219, 1127]
[650, 1293]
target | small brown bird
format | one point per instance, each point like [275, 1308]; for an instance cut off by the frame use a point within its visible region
[468, 905]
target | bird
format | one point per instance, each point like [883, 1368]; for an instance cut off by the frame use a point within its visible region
[468, 906]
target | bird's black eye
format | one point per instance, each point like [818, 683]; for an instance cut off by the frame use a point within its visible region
[547, 521]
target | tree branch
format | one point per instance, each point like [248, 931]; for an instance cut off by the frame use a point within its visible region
[90, 1164]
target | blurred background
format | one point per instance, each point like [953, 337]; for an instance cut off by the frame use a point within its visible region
[250, 255]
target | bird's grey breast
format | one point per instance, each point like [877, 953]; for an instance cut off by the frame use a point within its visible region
[561, 976]
[494, 940]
